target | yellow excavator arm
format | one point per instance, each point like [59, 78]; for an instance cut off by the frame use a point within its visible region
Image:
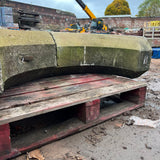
[90, 14]
[86, 9]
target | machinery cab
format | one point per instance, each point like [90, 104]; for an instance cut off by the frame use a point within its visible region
[75, 28]
[98, 24]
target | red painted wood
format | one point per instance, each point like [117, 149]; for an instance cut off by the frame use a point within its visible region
[89, 111]
[13, 101]
[12, 154]
[51, 83]
[75, 130]
[5, 143]
[92, 103]
[137, 96]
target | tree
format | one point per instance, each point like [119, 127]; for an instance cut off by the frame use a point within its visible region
[149, 8]
[118, 7]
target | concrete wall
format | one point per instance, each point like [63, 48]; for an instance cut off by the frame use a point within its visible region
[124, 21]
[50, 18]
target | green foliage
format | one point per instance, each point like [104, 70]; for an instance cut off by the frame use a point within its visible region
[149, 8]
[118, 7]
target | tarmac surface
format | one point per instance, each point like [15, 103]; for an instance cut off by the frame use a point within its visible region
[115, 139]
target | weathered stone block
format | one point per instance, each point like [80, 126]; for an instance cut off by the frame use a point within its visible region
[24, 55]
[27, 55]
[127, 56]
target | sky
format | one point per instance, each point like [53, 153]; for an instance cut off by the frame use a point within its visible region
[96, 6]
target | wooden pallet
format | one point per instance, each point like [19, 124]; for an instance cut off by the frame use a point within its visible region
[76, 94]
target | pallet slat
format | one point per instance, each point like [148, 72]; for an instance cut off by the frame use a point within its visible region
[68, 127]
[25, 111]
[22, 105]
[34, 97]
[50, 83]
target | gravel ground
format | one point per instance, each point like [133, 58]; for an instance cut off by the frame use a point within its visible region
[114, 140]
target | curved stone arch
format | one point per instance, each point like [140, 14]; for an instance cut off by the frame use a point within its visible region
[28, 55]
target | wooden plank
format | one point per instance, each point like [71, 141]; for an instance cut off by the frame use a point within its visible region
[50, 83]
[14, 101]
[35, 138]
[66, 128]
[5, 141]
[29, 110]
[54, 82]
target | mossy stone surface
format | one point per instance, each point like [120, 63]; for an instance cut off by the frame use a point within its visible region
[123, 52]
[21, 38]
[27, 55]
[16, 46]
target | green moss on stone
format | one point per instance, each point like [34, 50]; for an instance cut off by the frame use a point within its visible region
[58, 53]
